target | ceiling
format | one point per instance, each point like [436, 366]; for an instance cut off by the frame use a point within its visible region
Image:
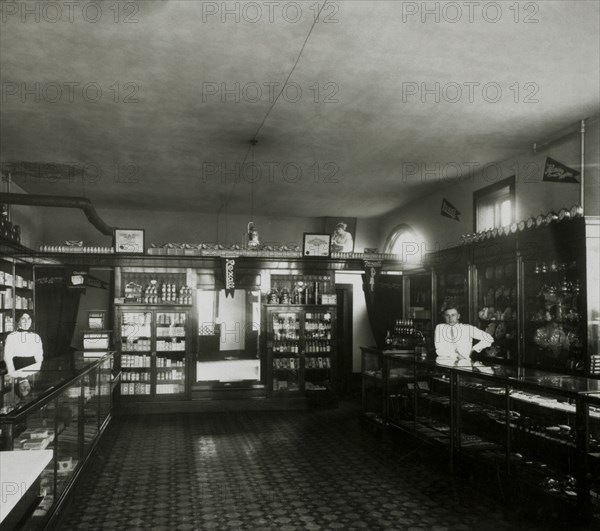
[344, 149]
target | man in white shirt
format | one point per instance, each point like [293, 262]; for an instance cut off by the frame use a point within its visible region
[454, 341]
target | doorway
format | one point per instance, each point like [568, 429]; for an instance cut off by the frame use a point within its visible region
[228, 354]
[344, 384]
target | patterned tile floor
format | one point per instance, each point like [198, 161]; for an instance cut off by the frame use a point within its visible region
[283, 470]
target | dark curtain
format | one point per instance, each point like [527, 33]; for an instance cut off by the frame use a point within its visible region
[56, 308]
[384, 305]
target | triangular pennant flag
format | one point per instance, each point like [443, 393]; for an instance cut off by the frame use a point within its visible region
[449, 210]
[555, 172]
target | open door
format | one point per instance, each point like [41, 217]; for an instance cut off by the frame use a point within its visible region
[228, 339]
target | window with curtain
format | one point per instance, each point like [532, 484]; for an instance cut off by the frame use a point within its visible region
[494, 206]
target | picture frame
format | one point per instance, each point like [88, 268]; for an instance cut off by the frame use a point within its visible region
[316, 245]
[343, 233]
[129, 241]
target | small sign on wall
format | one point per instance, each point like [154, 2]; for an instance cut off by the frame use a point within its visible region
[129, 241]
[449, 210]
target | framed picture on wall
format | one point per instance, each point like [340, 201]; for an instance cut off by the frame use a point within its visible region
[343, 231]
[316, 245]
[130, 241]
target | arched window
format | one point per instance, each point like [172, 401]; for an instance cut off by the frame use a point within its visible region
[402, 241]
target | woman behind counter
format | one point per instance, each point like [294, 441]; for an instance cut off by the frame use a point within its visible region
[23, 348]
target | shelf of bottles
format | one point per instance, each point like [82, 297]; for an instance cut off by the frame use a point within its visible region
[497, 308]
[16, 294]
[418, 305]
[318, 349]
[136, 352]
[300, 289]
[554, 324]
[170, 352]
[406, 334]
[151, 288]
[284, 342]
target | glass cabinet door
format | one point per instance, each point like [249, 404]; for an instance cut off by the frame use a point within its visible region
[91, 411]
[136, 352]
[433, 408]
[171, 334]
[37, 432]
[319, 350]
[593, 456]
[105, 388]
[482, 431]
[67, 440]
[554, 322]
[496, 310]
[284, 342]
[372, 384]
[543, 445]
[399, 374]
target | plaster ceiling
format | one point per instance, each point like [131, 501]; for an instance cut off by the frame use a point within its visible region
[163, 120]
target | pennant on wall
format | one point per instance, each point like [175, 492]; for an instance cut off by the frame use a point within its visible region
[228, 276]
[556, 172]
[449, 210]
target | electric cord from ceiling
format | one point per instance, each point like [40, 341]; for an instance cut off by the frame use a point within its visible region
[254, 140]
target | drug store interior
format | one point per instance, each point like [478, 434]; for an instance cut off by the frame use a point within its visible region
[246, 209]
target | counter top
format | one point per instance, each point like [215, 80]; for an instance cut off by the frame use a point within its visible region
[18, 472]
[526, 378]
[38, 382]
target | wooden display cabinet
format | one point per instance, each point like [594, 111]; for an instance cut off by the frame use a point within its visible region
[301, 349]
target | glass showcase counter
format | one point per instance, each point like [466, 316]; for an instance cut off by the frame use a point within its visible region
[539, 430]
[63, 407]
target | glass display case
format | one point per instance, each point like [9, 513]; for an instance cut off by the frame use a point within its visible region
[153, 351]
[418, 398]
[283, 344]
[497, 307]
[301, 348]
[554, 303]
[538, 430]
[372, 393]
[135, 336]
[63, 407]
[592, 457]
[171, 332]
[481, 419]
